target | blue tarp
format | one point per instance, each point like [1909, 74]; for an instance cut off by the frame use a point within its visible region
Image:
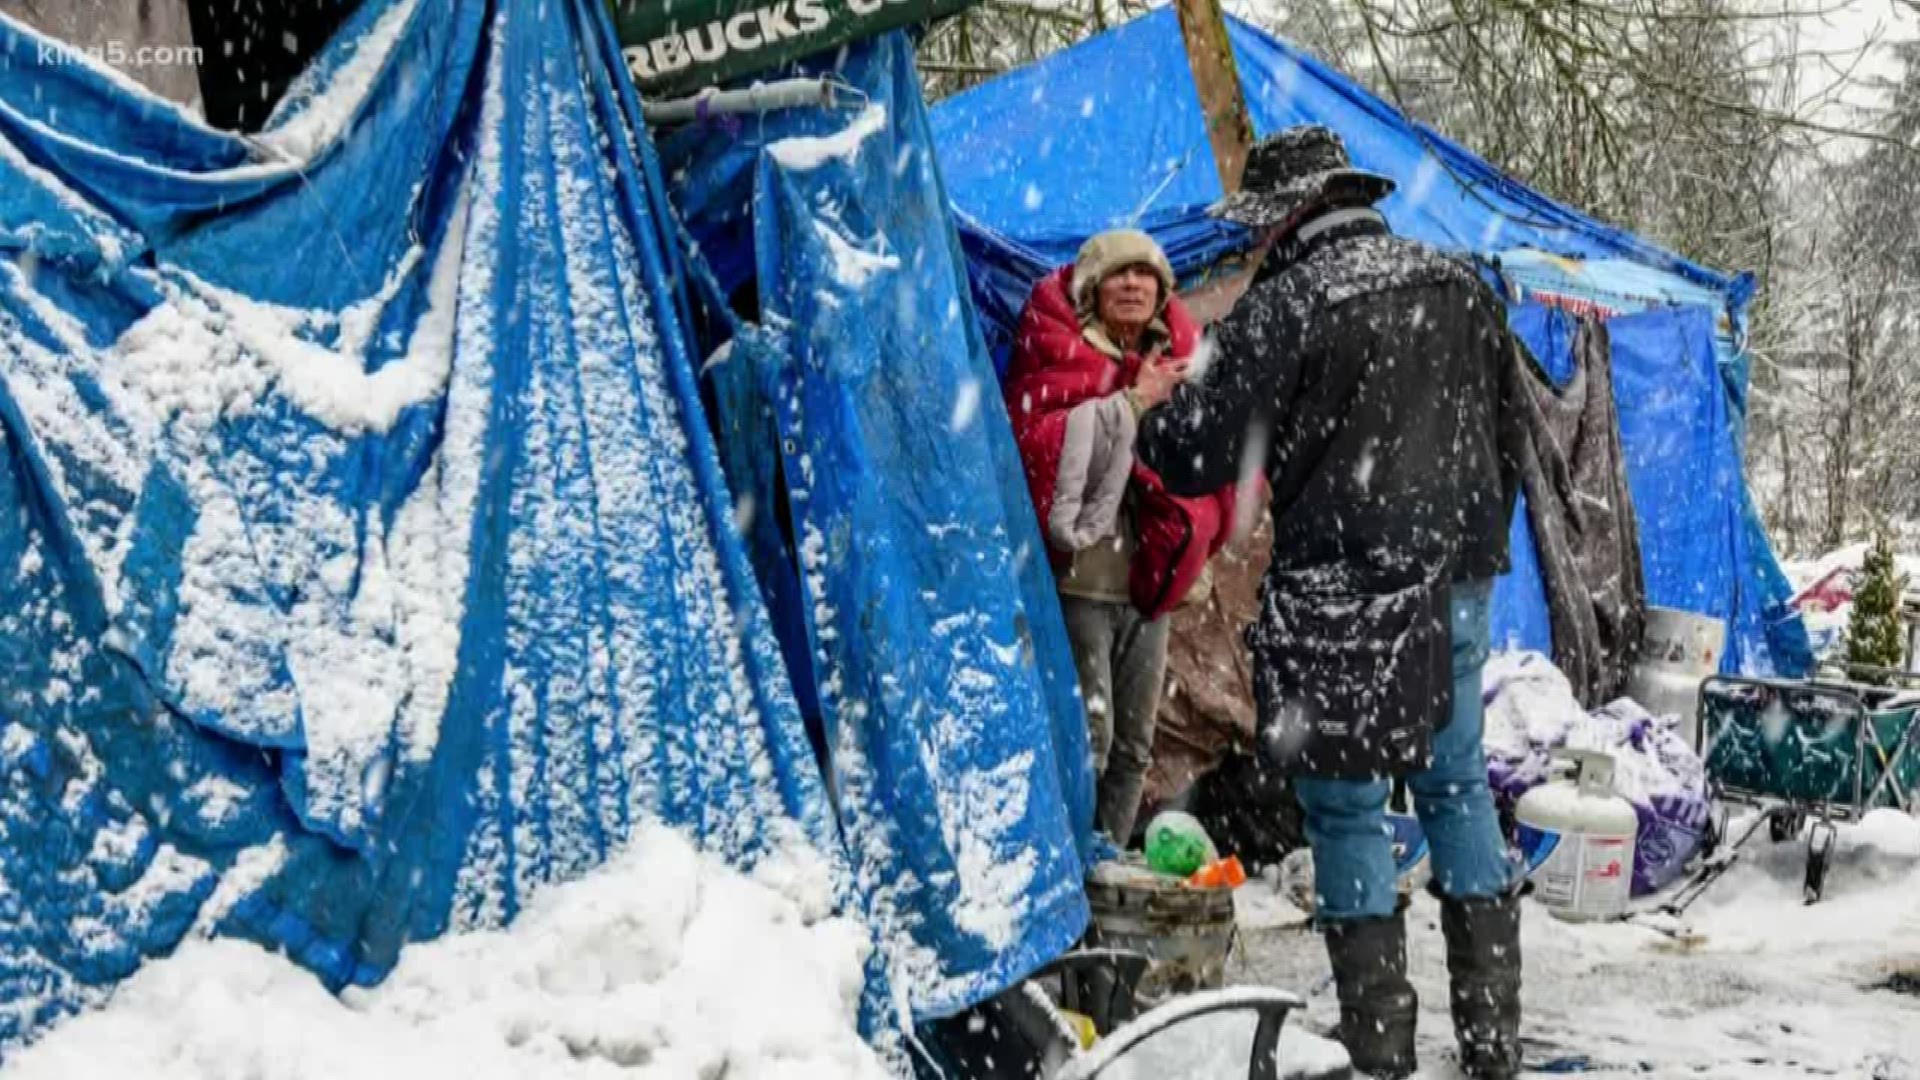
[1111, 132]
[365, 561]
[942, 677]
[1618, 287]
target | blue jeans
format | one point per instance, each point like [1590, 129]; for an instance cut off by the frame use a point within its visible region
[1353, 866]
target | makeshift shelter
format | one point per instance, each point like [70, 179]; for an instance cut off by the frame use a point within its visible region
[1111, 132]
[370, 563]
[365, 560]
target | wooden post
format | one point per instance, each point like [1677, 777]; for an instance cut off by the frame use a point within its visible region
[1210, 55]
[1215, 76]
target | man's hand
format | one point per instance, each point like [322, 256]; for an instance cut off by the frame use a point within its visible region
[1156, 381]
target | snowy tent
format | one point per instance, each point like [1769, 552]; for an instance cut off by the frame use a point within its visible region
[888, 518]
[1111, 132]
[365, 561]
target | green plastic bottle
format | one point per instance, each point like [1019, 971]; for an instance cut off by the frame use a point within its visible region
[1177, 845]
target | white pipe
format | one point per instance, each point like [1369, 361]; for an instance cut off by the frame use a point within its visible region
[760, 97]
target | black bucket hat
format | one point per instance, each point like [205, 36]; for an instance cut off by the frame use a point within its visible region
[1292, 170]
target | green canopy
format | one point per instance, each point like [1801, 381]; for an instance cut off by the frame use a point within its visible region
[675, 46]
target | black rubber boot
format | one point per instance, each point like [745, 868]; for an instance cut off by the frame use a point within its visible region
[1378, 1007]
[1483, 958]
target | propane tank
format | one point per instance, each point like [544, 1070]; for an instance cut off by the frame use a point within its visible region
[1577, 835]
[1678, 651]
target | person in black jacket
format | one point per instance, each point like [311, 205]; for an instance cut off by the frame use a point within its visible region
[1362, 374]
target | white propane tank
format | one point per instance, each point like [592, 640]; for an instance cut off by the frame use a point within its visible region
[1578, 839]
[1678, 651]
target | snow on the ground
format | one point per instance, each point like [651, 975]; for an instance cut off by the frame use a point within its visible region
[665, 965]
[1763, 987]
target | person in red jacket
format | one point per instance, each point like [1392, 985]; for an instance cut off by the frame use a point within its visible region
[1101, 342]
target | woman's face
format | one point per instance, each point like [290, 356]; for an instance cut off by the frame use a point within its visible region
[1128, 298]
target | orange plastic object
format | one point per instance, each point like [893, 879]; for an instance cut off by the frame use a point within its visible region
[1224, 873]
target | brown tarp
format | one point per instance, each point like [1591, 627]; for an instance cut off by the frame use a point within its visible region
[1207, 709]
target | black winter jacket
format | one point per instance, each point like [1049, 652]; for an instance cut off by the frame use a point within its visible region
[1362, 374]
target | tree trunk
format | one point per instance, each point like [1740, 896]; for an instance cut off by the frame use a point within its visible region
[1840, 466]
[1789, 521]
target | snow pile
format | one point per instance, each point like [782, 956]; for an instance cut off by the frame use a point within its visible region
[1281, 897]
[1304, 1054]
[1883, 848]
[210, 352]
[1804, 573]
[1889, 833]
[300, 619]
[1531, 712]
[315, 113]
[666, 964]
[369, 648]
[1529, 703]
[1868, 907]
[104, 238]
[854, 266]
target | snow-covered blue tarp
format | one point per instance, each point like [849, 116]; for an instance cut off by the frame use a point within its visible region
[890, 520]
[365, 560]
[1111, 132]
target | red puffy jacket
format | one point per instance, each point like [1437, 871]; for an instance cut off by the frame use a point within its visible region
[1054, 368]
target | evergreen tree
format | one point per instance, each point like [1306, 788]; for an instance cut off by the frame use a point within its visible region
[1875, 633]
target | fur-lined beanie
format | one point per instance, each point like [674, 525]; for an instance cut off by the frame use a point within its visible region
[1112, 251]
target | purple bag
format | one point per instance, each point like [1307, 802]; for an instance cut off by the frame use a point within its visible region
[1667, 785]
